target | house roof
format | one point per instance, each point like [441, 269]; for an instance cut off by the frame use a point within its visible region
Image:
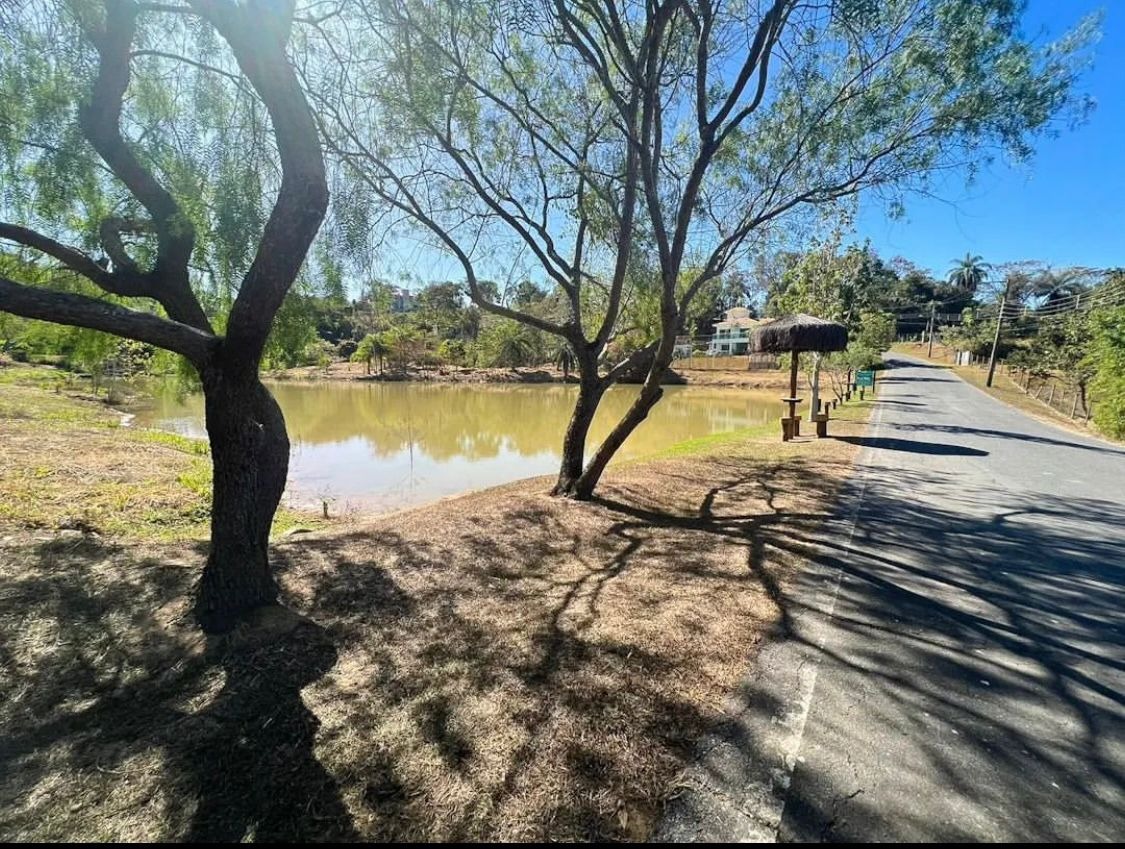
[737, 317]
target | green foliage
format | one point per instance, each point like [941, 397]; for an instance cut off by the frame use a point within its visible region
[831, 284]
[294, 331]
[439, 310]
[974, 333]
[969, 272]
[507, 344]
[1107, 359]
[404, 345]
[452, 351]
[371, 347]
[1062, 345]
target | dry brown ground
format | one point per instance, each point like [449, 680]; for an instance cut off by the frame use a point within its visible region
[501, 666]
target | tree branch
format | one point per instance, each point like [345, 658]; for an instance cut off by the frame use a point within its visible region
[100, 118]
[76, 261]
[81, 311]
[258, 42]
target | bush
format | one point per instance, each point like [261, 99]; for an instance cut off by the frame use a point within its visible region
[1107, 357]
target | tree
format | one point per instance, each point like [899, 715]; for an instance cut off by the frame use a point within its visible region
[1062, 344]
[969, 272]
[372, 346]
[593, 136]
[403, 344]
[973, 334]
[1107, 357]
[439, 309]
[89, 115]
[840, 286]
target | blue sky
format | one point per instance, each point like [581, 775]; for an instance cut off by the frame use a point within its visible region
[1066, 207]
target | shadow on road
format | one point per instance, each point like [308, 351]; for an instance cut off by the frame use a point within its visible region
[961, 430]
[913, 446]
[987, 651]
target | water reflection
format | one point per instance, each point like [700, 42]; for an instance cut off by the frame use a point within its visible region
[380, 446]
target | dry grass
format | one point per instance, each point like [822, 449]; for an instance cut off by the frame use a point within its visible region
[67, 462]
[502, 666]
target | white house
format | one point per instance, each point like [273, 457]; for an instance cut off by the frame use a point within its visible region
[732, 334]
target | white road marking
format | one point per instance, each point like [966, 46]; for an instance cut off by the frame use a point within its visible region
[770, 805]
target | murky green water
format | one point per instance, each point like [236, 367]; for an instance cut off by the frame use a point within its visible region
[382, 446]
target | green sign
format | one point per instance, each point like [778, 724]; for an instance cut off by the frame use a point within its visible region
[865, 378]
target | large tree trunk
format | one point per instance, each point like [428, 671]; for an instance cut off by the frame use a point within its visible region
[590, 391]
[651, 393]
[250, 459]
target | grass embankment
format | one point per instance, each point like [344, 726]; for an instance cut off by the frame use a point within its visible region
[501, 666]
[69, 463]
[1003, 387]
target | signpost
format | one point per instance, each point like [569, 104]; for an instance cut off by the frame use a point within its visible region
[864, 379]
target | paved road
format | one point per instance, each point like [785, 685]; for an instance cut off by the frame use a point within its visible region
[955, 666]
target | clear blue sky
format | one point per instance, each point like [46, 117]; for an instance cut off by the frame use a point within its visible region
[1066, 207]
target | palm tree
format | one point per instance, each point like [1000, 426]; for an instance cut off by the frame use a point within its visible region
[969, 273]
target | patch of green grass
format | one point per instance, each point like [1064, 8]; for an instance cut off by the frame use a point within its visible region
[19, 374]
[186, 444]
[197, 479]
[853, 411]
[23, 402]
[712, 442]
[69, 461]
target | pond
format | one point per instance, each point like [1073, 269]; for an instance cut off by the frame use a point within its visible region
[374, 447]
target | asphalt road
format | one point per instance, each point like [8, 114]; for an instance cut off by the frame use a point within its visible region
[954, 667]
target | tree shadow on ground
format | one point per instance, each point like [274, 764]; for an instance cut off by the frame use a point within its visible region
[546, 682]
[1007, 434]
[160, 734]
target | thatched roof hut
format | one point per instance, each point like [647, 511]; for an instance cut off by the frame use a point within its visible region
[794, 334]
[799, 332]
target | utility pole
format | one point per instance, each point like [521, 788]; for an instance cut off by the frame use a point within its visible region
[996, 338]
[930, 333]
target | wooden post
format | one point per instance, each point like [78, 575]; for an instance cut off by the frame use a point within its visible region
[930, 331]
[1051, 394]
[996, 338]
[793, 383]
[1074, 406]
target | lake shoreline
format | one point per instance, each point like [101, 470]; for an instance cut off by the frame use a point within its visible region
[354, 372]
[371, 447]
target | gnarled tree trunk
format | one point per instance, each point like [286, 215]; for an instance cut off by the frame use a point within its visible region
[591, 388]
[651, 392]
[250, 459]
